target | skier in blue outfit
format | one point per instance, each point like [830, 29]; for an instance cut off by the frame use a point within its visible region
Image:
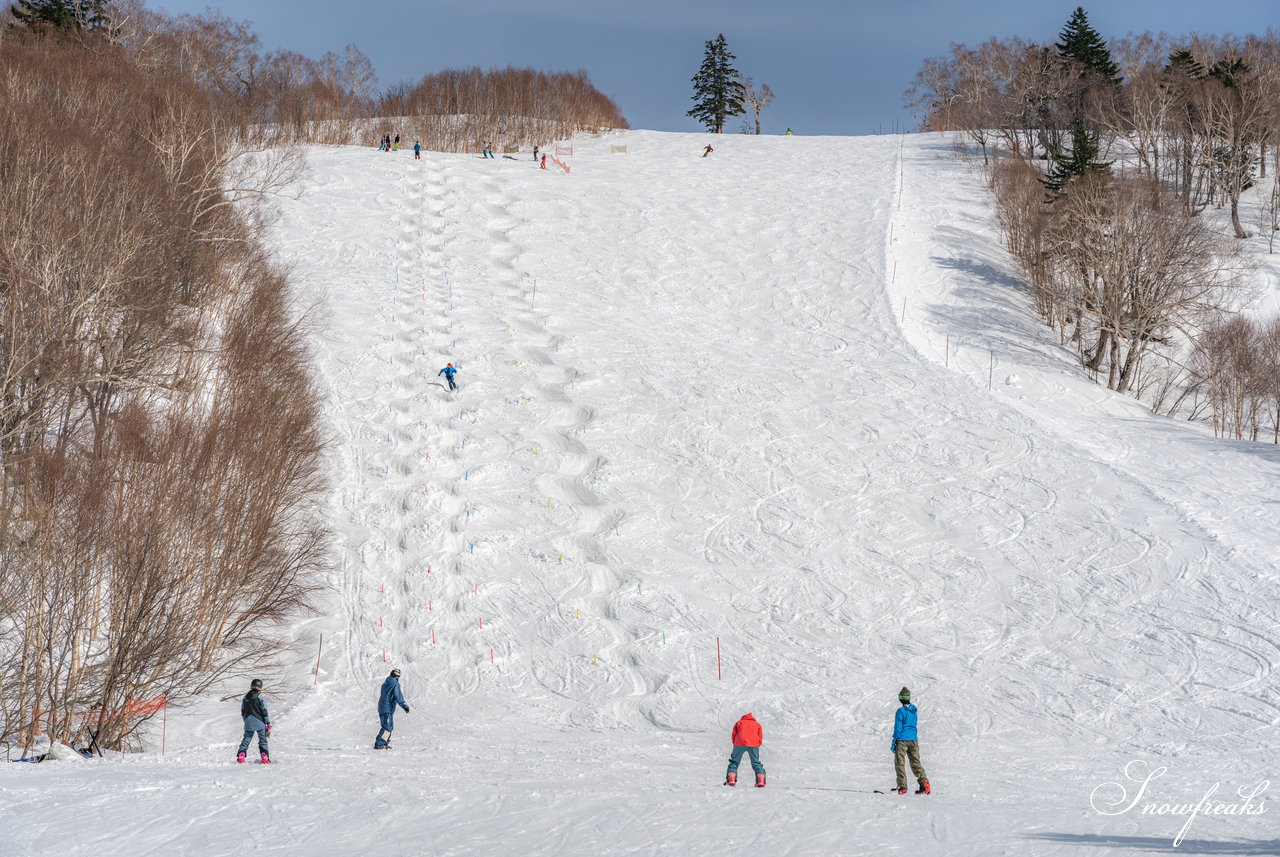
[388, 699]
[906, 746]
[253, 708]
[448, 372]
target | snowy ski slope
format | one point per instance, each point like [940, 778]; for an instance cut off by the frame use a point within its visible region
[789, 398]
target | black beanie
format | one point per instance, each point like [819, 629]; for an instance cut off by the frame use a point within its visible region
[904, 695]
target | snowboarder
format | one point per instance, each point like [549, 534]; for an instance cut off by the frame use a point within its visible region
[448, 373]
[747, 737]
[382, 143]
[396, 146]
[707, 150]
[535, 153]
[388, 699]
[788, 132]
[906, 746]
[543, 164]
[253, 708]
[417, 150]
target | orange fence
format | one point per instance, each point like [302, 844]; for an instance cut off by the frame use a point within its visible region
[70, 721]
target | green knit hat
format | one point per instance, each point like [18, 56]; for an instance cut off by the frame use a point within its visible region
[904, 695]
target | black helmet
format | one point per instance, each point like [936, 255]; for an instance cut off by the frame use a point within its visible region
[256, 684]
[395, 673]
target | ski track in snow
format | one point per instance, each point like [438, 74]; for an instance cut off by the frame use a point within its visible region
[725, 413]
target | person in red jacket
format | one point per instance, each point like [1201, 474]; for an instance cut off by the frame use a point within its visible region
[747, 738]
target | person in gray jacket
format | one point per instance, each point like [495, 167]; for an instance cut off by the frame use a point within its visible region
[253, 708]
[388, 699]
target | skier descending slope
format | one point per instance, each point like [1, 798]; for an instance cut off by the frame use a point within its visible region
[253, 708]
[388, 699]
[448, 373]
[906, 746]
[747, 737]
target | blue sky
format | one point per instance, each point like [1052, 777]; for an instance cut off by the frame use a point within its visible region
[835, 67]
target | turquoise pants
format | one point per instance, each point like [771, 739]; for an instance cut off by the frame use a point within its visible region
[736, 756]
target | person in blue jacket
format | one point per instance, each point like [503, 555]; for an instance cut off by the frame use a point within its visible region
[906, 746]
[253, 708]
[448, 372]
[417, 150]
[388, 699]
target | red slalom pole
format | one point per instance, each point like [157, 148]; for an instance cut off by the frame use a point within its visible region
[433, 636]
[719, 675]
[318, 651]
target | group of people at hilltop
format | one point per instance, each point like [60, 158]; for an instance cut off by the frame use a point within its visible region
[386, 144]
[747, 735]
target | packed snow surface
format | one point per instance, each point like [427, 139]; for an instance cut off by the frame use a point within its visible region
[773, 430]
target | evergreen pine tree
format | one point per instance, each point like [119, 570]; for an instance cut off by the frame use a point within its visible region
[717, 88]
[41, 15]
[1183, 61]
[1083, 159]
[1082, 43]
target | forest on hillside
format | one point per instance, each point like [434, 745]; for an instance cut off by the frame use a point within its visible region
[158, 524]
[1108, 159]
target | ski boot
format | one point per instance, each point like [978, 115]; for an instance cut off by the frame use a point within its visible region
[266, 760]
[924, 788]
[900, 790]
[759, 781]
[731, 778]
[240, 758]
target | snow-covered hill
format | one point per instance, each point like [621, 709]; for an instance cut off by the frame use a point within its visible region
[788, 404]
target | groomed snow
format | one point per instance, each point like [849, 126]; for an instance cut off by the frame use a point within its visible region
[789, 397]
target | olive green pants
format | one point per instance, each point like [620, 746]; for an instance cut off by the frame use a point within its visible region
[907, 750]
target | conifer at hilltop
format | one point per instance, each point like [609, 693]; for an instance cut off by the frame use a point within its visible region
[718, 93]
[41, 15]
[1080, 42]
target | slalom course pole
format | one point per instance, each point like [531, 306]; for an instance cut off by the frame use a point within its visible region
[318, 651]
[719, 674]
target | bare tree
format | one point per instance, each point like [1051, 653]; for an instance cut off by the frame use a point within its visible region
[756, 98]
